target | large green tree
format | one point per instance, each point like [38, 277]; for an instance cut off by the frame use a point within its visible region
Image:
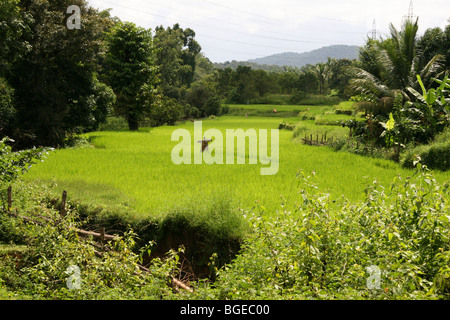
[56, 90]
[12, 27]
[435, 41]
[322, 71]
[176, 57]
[130, 70]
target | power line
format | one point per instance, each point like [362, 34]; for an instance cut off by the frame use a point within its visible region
[307, 27]
[261, 16]
[240, 32]
[240, 25]
[228, 38]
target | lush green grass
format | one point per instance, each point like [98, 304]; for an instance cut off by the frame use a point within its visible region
[310, 128]
[332, 119]
[134, 170]
[265, 110]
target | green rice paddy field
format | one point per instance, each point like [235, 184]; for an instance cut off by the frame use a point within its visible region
[134, 170]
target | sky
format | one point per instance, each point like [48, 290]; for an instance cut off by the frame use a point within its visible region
[247, 29]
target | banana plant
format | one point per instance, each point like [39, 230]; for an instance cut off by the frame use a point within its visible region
[431, 112]
[433, 96]
[389, 131]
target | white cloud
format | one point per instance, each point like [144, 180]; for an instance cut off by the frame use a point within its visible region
[245, 29]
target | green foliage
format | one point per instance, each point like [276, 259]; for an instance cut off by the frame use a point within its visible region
[203, 96]
[130, 71]
[314, 248]
[166, 111]
[55, 88]
[416, 121]
[13, 164]
[176, 54]
[388, 67]
[435, 41]
[7, 110]
[12, 27]
[435, 155]
[114, 124]
[429, 115]
[107, 271]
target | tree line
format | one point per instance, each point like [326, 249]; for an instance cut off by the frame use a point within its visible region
[56, 82]
[402, 84]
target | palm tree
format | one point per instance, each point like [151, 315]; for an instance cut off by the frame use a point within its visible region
[322, 72]
[390, 66]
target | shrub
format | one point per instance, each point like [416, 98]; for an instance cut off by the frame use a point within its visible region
[54, 245]
[7, 110]
[114, 124]
[167, 111]
[13, 164]
[204, 97]
[287, 126]
[345, 112]
[435, 155]
[318, 248]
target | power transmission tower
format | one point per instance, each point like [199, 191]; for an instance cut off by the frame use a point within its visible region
[374, 33]
[410, 17]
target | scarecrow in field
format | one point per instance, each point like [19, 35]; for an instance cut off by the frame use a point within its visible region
[205, 143]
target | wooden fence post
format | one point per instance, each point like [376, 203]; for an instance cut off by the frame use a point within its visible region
[102, 236]
[62, 209]
[9, 198]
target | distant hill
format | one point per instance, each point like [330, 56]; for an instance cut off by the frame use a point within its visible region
[298, 60]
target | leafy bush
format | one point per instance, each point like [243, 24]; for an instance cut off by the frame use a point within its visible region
[346, 112]
[315, 248]
[114, 124]
[287, 126]
[435, 155]
[204, 97]
[166, 111]
[13, 164]
[7, 110]
[112, 272]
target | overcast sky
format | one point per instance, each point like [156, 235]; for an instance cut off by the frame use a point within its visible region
[247, 29]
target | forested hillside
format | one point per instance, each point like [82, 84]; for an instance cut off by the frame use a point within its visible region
[313, 57]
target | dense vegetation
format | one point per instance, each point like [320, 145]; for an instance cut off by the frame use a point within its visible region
[56, 84]
[107, 97]
[307, 247]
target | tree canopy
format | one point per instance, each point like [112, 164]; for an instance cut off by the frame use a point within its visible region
[57, 81]
[130, 70]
